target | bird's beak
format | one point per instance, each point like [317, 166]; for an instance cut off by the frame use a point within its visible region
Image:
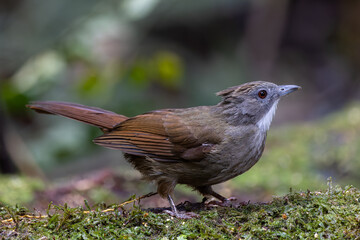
[286, 89]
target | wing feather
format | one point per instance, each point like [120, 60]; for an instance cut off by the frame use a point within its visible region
[161, 135]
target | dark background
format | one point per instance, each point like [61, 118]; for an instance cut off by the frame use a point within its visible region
[135, 56]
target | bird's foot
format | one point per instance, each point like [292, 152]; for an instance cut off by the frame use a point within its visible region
[228, 202]
[231, 199]
[182, 215]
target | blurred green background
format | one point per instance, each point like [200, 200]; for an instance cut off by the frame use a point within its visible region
[133, 56]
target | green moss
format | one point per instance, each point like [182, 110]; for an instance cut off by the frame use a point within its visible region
[333, 213]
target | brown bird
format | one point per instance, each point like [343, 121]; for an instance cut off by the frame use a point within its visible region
[198, 146]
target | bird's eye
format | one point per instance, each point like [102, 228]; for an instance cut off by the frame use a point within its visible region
[262, 94]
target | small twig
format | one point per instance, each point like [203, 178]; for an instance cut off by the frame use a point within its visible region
[127, 202]
[12, 219]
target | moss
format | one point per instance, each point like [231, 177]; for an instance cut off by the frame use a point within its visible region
[332, 213]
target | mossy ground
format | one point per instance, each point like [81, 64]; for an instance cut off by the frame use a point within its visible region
[330, 214]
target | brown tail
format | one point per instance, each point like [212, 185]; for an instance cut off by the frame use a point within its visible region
[91, 115]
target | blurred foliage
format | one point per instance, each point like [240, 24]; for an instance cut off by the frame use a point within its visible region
[96, 188]
[164, 67]
[90, 67]
[18, 189]
[304, 155]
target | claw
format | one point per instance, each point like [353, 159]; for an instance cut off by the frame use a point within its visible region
[182, 215]
[226, 203]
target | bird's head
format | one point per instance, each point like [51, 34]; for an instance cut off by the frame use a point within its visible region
[253, 102]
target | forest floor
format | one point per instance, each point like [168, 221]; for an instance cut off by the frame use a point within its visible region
[329, 214]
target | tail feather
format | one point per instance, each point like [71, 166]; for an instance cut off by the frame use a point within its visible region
[91, 115]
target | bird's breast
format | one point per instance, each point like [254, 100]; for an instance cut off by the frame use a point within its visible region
[241, 149]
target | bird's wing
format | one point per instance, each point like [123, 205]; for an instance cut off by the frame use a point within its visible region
[161, 135]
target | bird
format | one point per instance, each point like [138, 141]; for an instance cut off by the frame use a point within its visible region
[198, 146]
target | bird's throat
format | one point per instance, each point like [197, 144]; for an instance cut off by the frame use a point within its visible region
[265, 121]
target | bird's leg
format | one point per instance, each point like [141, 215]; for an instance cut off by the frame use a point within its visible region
[165, 188]
[208, 191]
[176, 213]
[172, 205]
